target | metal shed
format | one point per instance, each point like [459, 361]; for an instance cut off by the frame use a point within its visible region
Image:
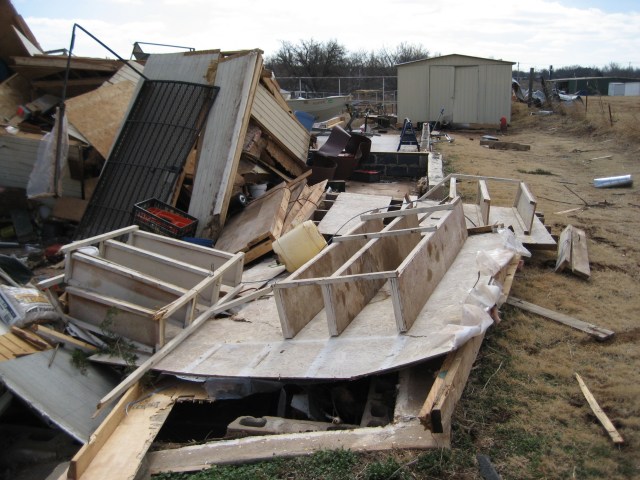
[471, 90]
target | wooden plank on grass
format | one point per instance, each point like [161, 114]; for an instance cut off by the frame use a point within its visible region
[496, 145]
[595, 331]
[599, 413]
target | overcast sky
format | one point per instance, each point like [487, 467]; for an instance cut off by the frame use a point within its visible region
[533, 33]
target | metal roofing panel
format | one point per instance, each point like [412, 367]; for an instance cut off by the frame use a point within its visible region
[61, 393]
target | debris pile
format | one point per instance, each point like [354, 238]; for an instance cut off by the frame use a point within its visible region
[183, 172]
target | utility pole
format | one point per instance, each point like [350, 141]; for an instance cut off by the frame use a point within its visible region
[530, 96]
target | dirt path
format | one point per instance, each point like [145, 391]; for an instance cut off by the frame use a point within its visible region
[522, 405]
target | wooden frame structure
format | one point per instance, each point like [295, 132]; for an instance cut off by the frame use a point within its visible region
[164, 279]
[343, 278]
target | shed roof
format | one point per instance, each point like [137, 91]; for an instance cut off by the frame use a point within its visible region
[453, 56]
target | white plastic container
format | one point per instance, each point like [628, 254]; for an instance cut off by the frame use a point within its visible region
[257, 190]
[611, 182]
[297, 247]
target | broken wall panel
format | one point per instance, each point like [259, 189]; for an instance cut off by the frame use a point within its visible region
[281, 125]
[58, 390]
[18, 155]
[222, 140]
[149, 154]
[371, 344]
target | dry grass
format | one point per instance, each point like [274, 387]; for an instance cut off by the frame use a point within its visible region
[597, 118]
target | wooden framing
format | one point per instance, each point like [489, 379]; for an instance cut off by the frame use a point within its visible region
[295, 314]
[159, 283]
[595, 331]
[572, 252]
[349, 273]
[521, 215]
[525, 206]
[484, 202]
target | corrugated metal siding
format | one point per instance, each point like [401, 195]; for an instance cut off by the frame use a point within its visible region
[441, 92]
[18, 154]
[495, 98]
[466, 95]
[286, 129]
[426, 88]
[413, 91]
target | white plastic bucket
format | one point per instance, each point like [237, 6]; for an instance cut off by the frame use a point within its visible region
[257, 190]
[297, 247]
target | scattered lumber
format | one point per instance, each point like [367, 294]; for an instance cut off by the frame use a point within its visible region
[497, 145]
[599, 413]
[31, 338]
[599, 333]
[572, 252]
[262, 219]
[58, 338]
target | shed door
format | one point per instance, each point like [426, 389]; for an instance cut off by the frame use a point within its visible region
[467, 95]
[441, 92]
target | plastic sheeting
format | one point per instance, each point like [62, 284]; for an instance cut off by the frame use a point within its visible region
[43, 177]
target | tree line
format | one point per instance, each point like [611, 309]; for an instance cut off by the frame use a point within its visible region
[311, 62]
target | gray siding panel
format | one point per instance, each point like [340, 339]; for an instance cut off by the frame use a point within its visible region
[413, 90]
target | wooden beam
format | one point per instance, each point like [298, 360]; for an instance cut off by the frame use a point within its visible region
[484, 201]
[405, 435]
[70, 247]
[599, 413]
[410, 211]
[55, 337]
[494, 145]
[389, 233]
[81, 460]
[595, 331]
[31, 338]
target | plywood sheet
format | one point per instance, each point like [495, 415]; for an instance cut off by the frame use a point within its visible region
[99, 113]
[221, 144]
[262, 219]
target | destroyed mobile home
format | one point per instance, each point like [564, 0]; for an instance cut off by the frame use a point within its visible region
[361, 336]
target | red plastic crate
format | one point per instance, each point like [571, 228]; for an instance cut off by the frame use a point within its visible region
[155, 216]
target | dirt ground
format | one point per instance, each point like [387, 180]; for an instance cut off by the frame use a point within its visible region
[522, 405]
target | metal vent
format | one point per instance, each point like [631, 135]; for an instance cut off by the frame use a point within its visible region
[149, 154]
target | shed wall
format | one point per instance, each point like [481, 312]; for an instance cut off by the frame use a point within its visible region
[470, 90]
